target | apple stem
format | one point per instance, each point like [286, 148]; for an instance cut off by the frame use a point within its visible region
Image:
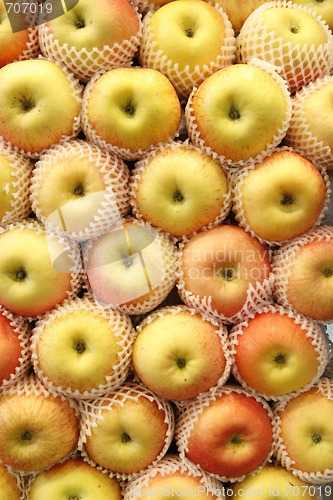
[125, 437]
[181, 363]
[26, 436]
[234, 114]
[316, 438]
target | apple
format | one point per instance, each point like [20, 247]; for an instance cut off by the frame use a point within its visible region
[311, 125]
[281, 197]
[74, 479]
[323, 8]
[128, 111]
[220, 269]
[276, 353]
[39, 105]
[14, 348]
[38, 428]
[172, 477]
[228, 434]
[179, 354]
[80, 189]
[289, 36]
[132, 268]
[239, 114]
[18, 45]
[304, 436]
[303, 274]
[30, 283]
[15, 174]
[187, 48]
[179, 189]
[90, 37]
[126, 430]
[238, 11]
[82, 350]
[9, 484]
[274, 481]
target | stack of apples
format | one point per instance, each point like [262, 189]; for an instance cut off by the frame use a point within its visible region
[166, 257]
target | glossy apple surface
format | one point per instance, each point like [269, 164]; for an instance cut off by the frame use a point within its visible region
[131, 109]
[239, 112]
[188, 187]
[33, 115]
[275, 355]
[238, 11]
[232, 436]
[74, 479]
[306, 431]
[10, 348]
[221, 263]
[179, 355]
[36, 431]
[283, 196]
[322, 8]
[129, 436]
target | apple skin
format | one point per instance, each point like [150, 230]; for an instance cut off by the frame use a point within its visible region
[322, 8]
[179, 189]
[29, 284]
[119, 104]
[280, 32]
[82, 350]
[184, 351]
[8, 485]
[89, 26]
[230, 436]
[16, 46]
[281, 197]
[222, 114]
[134, 429]
[306, 435]
[132, 267]
[33, 117]
[36, 431]
[275, 355]
[306, 283]
[11, 347]
[310, 130]
[74, 478]
[238, 11]
[273, 479]
[221, 263]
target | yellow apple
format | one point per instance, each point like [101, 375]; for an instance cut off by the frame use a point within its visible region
[281, 197]
[239, 113]
[9, 487]
[323, 8]
[179, 189]
[238, 10]
[129, 110]
[187, 48]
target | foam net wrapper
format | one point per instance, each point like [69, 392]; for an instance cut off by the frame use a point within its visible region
[257, 295]
[169, 465]
[91, 414]
[21, 328]
[32, 385]
[21, 170]
[32, 50]
[77, 90]
[193, 128]
[325, 388]
[220, 329]
[123, 153]
[112, 203]
[298, 64]
[140, 167]
[313, 332]
[185, 79]
[237, 178]
[299, 134]
[189, 415]
[122, 329]
[284, 257]
[20, 482]
[83, 63]
[58, 243]
[162, 279]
